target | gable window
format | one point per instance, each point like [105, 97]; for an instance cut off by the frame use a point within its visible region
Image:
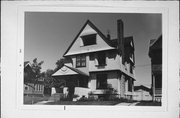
[101, 58]
[81, 61]
[101, 81]
[89, 39]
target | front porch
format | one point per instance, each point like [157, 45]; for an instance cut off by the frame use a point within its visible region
[70, 78]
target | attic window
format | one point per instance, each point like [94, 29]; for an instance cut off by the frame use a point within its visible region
[89, 39]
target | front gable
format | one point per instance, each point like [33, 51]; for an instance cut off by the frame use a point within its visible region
[89, 39]
[64, 71]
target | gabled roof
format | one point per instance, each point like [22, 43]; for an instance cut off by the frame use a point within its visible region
[68, 71]
[77, 70]
[26, 63]
[88, 22]
[142, 87]
[156, 43]
[127, 41]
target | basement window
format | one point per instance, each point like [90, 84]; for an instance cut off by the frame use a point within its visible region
[89, 39]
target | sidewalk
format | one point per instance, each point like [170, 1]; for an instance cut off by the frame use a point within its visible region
[42, 102]
[127, 104]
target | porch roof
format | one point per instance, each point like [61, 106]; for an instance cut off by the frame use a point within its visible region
[66, 70]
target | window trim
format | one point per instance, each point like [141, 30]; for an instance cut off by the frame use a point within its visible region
[81, 60]
[85, 36]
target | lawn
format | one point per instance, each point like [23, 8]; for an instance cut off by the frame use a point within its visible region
[83, 103]
[148, 103]
[28, 99]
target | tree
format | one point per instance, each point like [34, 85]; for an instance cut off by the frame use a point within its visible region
[48, 79]
[60, 63]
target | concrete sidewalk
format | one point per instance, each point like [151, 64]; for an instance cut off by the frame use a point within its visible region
[42, 102]
[127, 104]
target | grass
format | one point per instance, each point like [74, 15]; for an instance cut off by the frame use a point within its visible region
[83, 103]
[28, 99]
[148, 103]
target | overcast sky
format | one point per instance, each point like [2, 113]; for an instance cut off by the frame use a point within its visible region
[48, 35]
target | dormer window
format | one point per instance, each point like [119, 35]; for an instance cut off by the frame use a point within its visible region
[88, 39]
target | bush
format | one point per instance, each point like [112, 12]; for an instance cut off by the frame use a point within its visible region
[83, 99]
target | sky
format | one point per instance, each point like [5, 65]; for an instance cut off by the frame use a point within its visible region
[49, 34]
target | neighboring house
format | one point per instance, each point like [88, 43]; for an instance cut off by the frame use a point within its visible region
[96, 64]
[155, 53]
[28, 85]
[142, 93]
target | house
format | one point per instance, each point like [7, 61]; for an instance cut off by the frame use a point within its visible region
[142, 93]
[98, 65]
[155, 53]
[28, 84]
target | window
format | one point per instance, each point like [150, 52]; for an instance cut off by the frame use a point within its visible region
[81, 61]
[130, 85]
[101, 59]
[101, 81]
[89, 39]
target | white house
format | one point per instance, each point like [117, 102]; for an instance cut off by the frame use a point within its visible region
[96, 64]
[142, 93]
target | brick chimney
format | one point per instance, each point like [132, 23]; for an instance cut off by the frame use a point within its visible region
[120, 37]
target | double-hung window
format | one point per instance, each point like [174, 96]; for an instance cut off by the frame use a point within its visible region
[81, 61]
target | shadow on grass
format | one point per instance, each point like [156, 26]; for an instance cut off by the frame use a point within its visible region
[83, 103]
[149, 103]
[28, 99]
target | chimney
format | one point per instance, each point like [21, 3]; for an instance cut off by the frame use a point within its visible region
[120, 37]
